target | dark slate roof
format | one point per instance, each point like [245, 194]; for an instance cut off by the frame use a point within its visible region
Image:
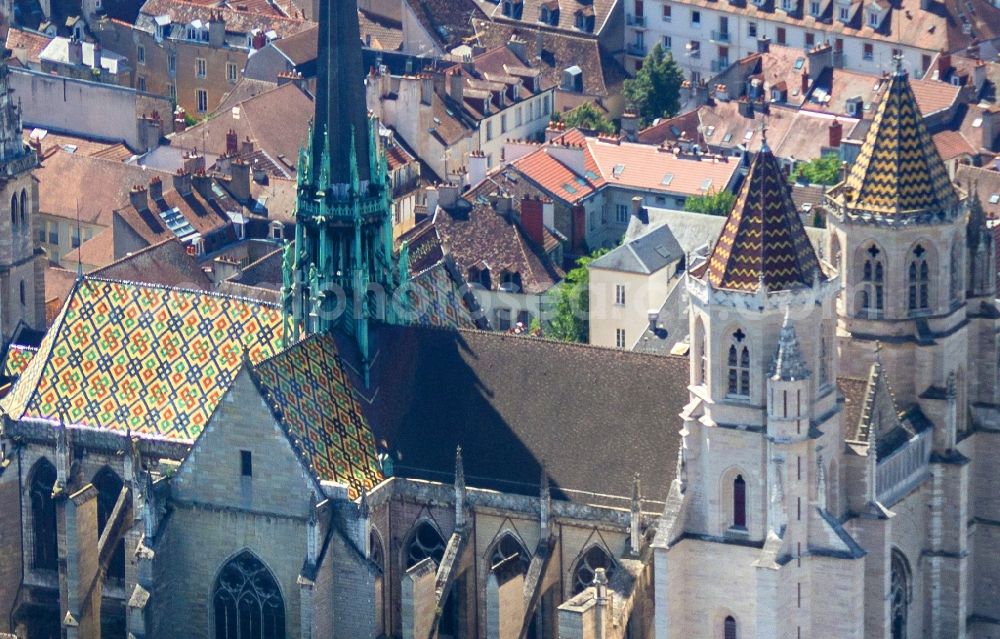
[646, 254]
[763, 241]
[167, 263]
[595, 416]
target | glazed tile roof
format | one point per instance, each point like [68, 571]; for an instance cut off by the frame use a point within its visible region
[435, 299]
[17, 360]
[151, 360]
[763, 241]
[312, 397]
[899, 169]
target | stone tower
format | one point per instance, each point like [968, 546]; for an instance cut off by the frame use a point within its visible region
[762, 436]
[340, 273]
[916, 309]
[22, 290]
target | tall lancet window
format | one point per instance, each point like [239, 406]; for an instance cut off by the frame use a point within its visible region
[43, 517]
[739, 502]
[247, 601]
[899, 595]
[873, 278]
[738, 365]
[918, 279]
[957, 274]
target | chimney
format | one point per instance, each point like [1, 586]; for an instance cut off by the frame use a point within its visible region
[973, 50]
[477, 167]
[763, 44]
[722, 93]
[820, 58]
[194, 162]
[519, 47]
[533, 220]
[548, 213]
[74, 52]
[630, 126]
[431, 200]
[745, 108]
[447, 195]
[943, 64]
[426, 89]
[182, 182]
[137, 197]
[239, 180]
[836, 133]
[247, 147]
[180, 120]
[98, 51]
[203, 184]
[216, 30]
[456, 86]
[156, 189]
[637, 208]
[232, 143]
[259, 41]
[991, 126]
[805, 82]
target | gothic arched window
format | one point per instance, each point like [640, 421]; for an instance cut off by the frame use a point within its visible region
[729, 628]
[247, 601]
[700, 353]
[957, 274]
[506, 547]
[739, 502]
[583, 575]
[918, 280]
[24, 211]
[13, 211]
[899, 594]
[425, 541]
[824, 358]
[43, 517]
[109, 487]
[377, 554]
[738, 365]
[873, 279]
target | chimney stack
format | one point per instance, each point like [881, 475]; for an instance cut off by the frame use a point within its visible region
[836, 133]
[216, 30]
[805, 82]
[156, 189]
[182, 182]
[533, 220]
[180, 120]
[247, 147]
[137, 197]
[98, 51]
[456, 86]
[943, 64]
[763, 44]
[239, 184]
[74, 51]
[232, 143]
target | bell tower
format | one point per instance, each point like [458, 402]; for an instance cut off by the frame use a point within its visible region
[340, 273]
[22, 264]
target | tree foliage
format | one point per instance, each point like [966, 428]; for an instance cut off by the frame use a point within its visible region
[712, 203]
[586, 116]
[568, 304]
[824, 170]
[654, 92]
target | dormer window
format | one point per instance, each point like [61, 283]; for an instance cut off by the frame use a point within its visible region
[814, 8]
[513, 8]
[845, 14]
[549, 13]
[584, 20]
[786, 5]
[873, 19]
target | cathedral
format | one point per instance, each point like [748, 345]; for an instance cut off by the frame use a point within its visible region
[365, 459]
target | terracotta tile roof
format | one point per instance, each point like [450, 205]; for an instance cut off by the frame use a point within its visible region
[449, 22]
[95, 252]
[479, 235]
[898, 168]
[58, 283]
[763, 242]
[301, 47]
[952, 144]
[311, 396]
[551, 52]
[66, 180]
[555, 177]
[27, 46]
[933, 96]
[206, 216]
[601, 10]
[834, 88]
[249, 6]
[239, 22]
[166, 264]
[380, 32]
[143, 359]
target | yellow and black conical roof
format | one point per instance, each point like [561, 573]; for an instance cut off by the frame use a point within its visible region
[898, 169]
[763, 242]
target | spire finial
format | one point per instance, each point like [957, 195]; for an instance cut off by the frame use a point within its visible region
[898, 62]
[763, 137]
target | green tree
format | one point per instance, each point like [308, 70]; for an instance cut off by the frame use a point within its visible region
[586, 116]
[712, 203]
[654, 92]
[822, 170]
[568, 304]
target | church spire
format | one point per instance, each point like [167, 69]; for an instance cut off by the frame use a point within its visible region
[763, 245]
[898, 170]
[789, 364]
[341, 115]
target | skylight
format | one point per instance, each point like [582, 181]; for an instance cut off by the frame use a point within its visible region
[728, 138]
[618, 170]
[591, 175]
[798, 63]
[707, 184]
[748, 135]
[995, 198]
[667, 179]
[569, 188]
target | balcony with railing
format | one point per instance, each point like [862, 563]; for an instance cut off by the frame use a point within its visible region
[719, 65]
[636, 48]
[901, 470]
[721, 36]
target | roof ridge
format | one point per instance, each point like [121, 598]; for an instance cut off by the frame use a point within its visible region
[165, 287]
[549, 340]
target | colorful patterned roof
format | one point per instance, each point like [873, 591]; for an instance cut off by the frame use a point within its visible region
[434, 299]
[312, 397]
[18, 358]
[763, 241]
[899, 169]
[152, 360]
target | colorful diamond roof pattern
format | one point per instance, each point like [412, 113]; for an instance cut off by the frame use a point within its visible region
[151, 360]
[763, 241]
[18, 358]
[311, 396]
[898, 169]
[435, 300]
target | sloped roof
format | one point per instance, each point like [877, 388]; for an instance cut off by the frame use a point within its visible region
[237, 21]
[151, 360]
[167, 263]
[763, 241]
[436, 300]
[311, 396]
[646, 254]
[595, 416]
[17, 359]
[898, 169]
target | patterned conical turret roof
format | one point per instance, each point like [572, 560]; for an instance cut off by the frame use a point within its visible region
[898, 169]
[763, 242]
